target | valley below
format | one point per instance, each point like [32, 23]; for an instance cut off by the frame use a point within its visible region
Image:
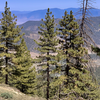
[30, 28]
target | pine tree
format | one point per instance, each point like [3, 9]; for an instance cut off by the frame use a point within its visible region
[96, 50]
[47, 46]
[9, 37]
[78, 84]
[24, 77]
[1, 67]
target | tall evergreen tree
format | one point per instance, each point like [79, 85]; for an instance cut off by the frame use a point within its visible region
[78, 84]
[9, 36]
[24, 77]
[96, 50]
[1, 67]
[47, 46]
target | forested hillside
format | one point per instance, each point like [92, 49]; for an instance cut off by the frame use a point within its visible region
[62, 69]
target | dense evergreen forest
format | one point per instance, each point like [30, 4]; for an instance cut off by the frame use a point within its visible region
[64, 67]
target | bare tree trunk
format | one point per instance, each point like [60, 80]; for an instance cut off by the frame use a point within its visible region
[48, 78]
[85, 30]
[85, 21]
[59, 91]
[6, 76]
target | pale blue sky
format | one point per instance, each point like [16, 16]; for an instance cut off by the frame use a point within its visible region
[31, 5]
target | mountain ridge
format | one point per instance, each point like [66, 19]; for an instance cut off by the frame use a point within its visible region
[37, 15]
[30, 28]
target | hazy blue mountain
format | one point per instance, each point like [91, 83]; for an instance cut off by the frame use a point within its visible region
[58, 13]
[18, 12]
[20, 19]
[23, 16]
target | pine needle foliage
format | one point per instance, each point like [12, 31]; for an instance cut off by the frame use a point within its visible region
[77, 82]
[47, 48]
[24, 76]
[96, 50]
[9, 37]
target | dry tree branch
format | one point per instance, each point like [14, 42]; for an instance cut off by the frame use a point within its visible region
[85, 21]
[85, 30]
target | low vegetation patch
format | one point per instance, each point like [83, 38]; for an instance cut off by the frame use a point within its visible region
[6, 95]
[11, 93]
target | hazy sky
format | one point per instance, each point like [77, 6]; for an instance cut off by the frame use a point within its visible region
[31, 5]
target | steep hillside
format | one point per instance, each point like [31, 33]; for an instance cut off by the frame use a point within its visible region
[30, 28]
[10, 93]
[31, 31]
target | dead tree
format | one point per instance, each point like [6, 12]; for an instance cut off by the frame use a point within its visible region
[85, 30]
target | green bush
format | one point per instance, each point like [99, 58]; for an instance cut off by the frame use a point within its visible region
[6, 95]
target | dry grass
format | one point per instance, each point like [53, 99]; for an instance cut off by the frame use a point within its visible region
[33, 55]
[17, 95]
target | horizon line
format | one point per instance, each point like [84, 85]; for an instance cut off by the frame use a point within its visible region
[47, 8]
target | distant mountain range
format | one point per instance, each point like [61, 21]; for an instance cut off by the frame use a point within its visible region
[30, 20]
[30, 28]
[23, 16]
